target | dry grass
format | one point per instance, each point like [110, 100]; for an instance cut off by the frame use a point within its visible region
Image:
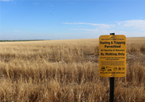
[67, 71]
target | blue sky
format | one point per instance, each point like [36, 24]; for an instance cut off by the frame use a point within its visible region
[70, 19]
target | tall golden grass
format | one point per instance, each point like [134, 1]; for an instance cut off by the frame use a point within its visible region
[67, 71]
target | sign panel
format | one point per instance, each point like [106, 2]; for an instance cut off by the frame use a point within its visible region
[112, 56]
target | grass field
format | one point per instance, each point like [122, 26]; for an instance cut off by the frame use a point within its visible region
[67, 71]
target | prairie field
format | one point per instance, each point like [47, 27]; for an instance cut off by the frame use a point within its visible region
[67, 71]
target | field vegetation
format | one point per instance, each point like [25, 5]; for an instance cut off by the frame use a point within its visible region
[67, 71]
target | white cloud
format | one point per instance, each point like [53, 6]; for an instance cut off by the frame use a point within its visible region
[136, 24]
[93, 24]
[85, 29]
[130, 28]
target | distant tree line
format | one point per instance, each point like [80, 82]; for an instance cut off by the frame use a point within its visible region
[21, 40]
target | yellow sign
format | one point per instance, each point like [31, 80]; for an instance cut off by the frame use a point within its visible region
[112, 56]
